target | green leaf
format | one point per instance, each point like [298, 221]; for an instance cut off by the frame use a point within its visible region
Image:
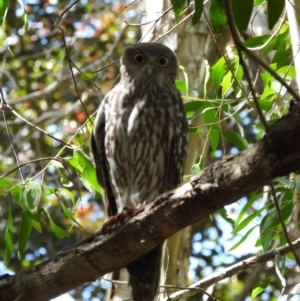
[178, 7]
[226, 83]
[211, 119]
[225, 216]
[214, 137]
[89, 75]
[283, 55]
[24, 232]
[266, 78]
[266, 236]
[9, 246]
[253, 197]
[236, 139]
[242, 10]
[3, 10]
[266, 103]
[28, 200]
[10, 225]
[248, 219]
[31, 196]
[256, 41]
[271, 220]
[239, 73]
[36, 224]
[74, 162]
[259, 287]
[186, 79]
[287, 205]
[198, 12]
[5, 185]
[88, 176]
[89, 124]
[270, 224]
[192, 107]
[258, 2]
[70, 195]
[47, 190]
[65, 181]
[231, 111]
[17, 194]
[59, 232]
[181, 86]
[283, 264]
[287, 71]
[86, 171]
[217, 15]
[69, 214]
[196, 168]
[275, 9]
[244, 237]
[218, 71]
[258, 242]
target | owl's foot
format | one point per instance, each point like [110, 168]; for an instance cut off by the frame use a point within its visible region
[119, 219]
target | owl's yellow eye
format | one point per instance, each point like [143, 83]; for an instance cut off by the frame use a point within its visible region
[139, 58]
[162, 61]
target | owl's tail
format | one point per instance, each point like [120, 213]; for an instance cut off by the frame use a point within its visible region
[145, 274]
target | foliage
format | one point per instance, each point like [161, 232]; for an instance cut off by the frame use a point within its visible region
[62, 63]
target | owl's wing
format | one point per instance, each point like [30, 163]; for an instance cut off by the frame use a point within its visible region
[177, 152]
[99, 157]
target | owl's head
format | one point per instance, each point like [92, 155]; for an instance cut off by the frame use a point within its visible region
[146, 62]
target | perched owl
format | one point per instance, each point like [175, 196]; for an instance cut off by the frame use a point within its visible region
[139, 144]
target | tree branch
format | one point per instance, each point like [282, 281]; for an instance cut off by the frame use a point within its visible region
[232, 270]
[221, 183]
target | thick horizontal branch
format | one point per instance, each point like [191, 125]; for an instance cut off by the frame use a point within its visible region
[221, 183]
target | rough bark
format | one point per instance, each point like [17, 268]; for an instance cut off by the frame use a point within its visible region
[221, 183]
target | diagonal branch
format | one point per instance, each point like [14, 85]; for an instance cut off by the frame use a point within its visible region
[236, 268]
[221, 183]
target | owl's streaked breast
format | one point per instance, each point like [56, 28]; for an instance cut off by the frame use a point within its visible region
[130, 158]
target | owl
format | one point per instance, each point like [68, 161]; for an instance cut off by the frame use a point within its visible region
[139, 145]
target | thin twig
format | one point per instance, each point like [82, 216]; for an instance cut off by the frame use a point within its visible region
[6, 105]
[64, 12]
[238, 42]
[279, 215]
[240, 46]
[3, 104]
[72, 73]
[29, 162]
[232, 270]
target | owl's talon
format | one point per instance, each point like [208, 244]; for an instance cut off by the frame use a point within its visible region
[110, 224]
[129, 212]
[119, 219]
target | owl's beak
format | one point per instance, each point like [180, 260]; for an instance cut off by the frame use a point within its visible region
[150, 69]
